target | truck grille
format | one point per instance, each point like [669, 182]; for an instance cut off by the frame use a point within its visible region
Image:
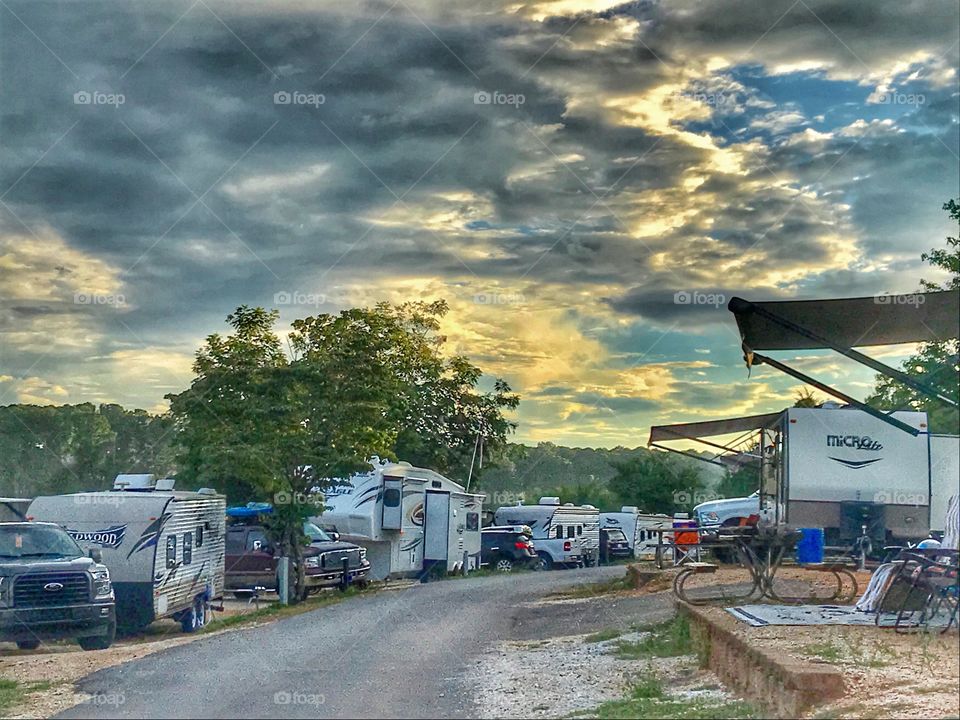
[334, 559]
[50, 589]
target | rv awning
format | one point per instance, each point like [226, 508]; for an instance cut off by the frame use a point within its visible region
[850, 322]
[711, 428]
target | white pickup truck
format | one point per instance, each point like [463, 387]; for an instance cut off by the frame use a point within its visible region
[726, 512]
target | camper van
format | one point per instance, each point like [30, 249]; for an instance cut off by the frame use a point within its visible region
[637, 526]
[164, 549]
[410, 520]
[564, 535]
[841, 469]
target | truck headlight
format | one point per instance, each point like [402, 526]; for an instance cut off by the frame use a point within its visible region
[711, 517]
[312, 562]
[102, 587]
[363, 554]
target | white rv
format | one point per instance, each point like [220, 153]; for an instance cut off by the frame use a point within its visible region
[839, 468]
[164, 549]
[638, 527]
[409, 519]
[564, 535]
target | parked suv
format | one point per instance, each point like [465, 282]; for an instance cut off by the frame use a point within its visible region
[251, 561]
[50, 591]
[613, 545]
[505, 547]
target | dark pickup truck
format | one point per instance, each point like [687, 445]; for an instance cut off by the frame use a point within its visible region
[50, 591]
[251, 562]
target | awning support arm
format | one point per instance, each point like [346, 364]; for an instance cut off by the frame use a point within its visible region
[853, 355]
[879, 414]
[712, 444]
[686, 453]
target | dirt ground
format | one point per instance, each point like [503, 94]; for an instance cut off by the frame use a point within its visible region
[886, 675]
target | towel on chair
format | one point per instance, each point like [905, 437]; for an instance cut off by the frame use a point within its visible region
[881, 578]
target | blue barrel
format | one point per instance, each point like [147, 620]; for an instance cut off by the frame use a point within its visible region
[810, 547]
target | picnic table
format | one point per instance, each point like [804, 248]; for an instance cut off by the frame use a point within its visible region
[762, 551]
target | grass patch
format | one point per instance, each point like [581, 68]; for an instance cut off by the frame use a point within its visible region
[669, 639]
[602, 636]
[13, 693]
[647, 699]
[852, 650]
[276, 610]
[589, 590]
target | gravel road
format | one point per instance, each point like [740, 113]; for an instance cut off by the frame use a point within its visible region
[403, 653]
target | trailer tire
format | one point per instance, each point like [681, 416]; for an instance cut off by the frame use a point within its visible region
[99, 642]
[546, 562]
[28, 644]
[195, 618]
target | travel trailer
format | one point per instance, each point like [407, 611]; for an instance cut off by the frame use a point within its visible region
[638, 527]
[164, 549]
[841, 469]
[564, 535]
[410, 520]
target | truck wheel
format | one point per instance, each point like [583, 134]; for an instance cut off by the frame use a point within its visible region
[504, 565]
[99, 642]
[28, 644]
[196, 617]
[546, 562]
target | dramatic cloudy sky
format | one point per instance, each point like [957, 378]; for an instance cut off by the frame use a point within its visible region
[628, 152]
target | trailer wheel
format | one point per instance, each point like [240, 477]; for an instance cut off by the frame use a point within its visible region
[28, 644]
[196, 617]
[504, 565]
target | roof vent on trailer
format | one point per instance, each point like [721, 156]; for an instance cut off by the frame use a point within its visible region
[139, 482]
[166, 484]
[549, 501]
[629, 509]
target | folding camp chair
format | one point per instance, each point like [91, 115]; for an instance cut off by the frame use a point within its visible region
[921, 588]
[686, 542]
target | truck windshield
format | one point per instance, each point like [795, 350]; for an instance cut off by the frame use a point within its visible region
[315, 533]
[25, 541]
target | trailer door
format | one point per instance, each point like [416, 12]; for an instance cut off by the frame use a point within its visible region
[436, 525]
[392, 518]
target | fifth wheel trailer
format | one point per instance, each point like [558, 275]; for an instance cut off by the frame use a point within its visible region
[164, 549]
[839, 468]
[409, 519]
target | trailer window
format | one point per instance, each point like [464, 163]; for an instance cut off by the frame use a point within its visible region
[171, 551]
[571, 531]
[187, 548]
[200, 536]
[473, 521]
[558, 532]
[579, 529]
[391, 497]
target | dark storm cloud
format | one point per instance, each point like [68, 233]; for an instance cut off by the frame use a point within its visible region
[200, 193]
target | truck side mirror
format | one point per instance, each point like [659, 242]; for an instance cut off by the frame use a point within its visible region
[96, 554]
[335, 536]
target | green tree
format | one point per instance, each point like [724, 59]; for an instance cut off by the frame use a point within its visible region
[365, 382]
[936, 364]
[656, 484]
[739, 483]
